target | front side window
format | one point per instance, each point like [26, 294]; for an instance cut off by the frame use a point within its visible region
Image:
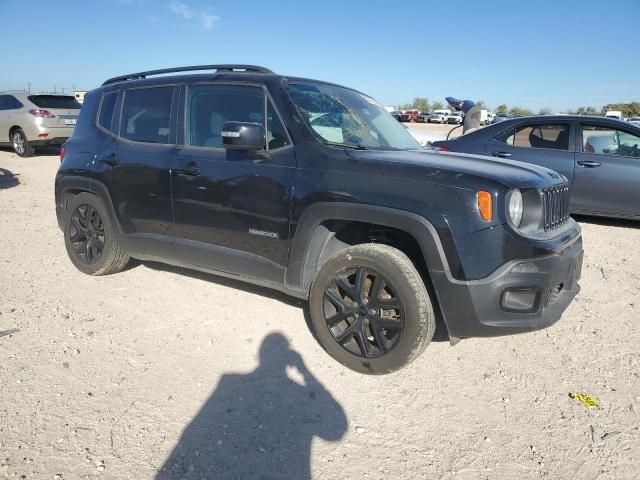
[609, 141]
[554, 137]
[146, 115]
[343, 117]
[209, 107]
[106, 110]
[55, 101]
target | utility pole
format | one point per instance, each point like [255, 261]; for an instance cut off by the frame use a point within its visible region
[29, 86]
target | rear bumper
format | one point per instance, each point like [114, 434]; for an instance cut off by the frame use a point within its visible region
[521, 296]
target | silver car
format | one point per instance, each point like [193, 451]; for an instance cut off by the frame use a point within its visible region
[28, 121]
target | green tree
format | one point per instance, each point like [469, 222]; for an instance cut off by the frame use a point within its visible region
[544, 111]
[421, 104]
[520, 112]
[631, 109]
[437, 106]
[481, 104]
[586, 111]
[501, 109]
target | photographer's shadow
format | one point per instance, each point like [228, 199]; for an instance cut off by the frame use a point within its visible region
[259, 425]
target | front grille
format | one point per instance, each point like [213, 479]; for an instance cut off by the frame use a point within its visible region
[555, 206]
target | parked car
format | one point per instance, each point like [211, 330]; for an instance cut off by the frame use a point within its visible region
[315, 190]
[599, 156]
[424, 117]
[455, 118]
[410, 116]
[501, 117]
[614, 114]
[634, 120]
[439, 116]
[28, 121]
[396, 114]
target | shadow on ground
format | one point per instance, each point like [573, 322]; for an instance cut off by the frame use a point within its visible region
[441, 334]
[8, 179]
[259, 425]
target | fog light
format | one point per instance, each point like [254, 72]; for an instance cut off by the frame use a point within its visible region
[525, 268]
[521, 300]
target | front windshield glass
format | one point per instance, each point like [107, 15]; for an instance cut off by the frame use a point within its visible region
[340, 116]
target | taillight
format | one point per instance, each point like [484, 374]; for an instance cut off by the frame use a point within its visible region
[433, 148]
[61, 153]
[38, 112]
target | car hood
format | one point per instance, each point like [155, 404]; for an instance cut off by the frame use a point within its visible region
[456, 169]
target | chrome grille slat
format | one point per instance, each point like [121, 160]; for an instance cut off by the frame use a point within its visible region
[555, 205]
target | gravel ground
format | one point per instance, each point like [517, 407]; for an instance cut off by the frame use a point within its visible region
[158, 372]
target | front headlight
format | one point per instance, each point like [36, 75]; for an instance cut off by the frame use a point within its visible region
[515, 207]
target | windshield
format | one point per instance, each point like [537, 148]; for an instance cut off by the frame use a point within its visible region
[340, 116]
[55, 101]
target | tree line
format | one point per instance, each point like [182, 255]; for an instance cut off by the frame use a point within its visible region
[631, 109]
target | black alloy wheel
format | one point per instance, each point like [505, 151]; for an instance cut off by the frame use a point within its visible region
[87, 234]
[363, 312]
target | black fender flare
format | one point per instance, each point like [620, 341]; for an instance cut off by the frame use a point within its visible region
[310, 238]
[79, 183]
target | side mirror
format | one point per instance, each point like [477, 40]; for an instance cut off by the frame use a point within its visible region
[243, 136]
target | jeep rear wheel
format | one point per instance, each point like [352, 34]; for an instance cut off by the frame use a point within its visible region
[370, 309]
[90, 237]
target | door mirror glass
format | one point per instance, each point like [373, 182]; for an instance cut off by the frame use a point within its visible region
[243, 136]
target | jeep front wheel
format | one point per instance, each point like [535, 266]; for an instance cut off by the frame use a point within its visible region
[370, 309]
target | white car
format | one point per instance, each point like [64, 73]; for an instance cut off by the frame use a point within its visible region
[439, 116]
[634, 120]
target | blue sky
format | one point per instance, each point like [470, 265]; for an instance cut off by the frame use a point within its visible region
[557, 54]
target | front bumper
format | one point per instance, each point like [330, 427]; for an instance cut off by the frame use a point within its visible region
[521, 296]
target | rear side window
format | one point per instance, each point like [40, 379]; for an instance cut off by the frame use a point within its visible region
[554, 137]
[55, 101]
[105, 120]
[146, 115]
[9, 102]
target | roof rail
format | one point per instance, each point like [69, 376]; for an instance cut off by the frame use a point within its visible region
[219, 68]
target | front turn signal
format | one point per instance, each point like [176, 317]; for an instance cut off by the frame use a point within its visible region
[485, 205]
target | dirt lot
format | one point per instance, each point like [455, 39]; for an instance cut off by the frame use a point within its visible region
[118, 376]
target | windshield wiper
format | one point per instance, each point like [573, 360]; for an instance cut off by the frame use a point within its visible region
[359, 146]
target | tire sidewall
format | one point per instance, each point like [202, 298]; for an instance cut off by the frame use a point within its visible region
[109, 240]
[417, 328]
[28, 150]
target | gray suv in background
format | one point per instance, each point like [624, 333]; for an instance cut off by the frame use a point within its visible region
[28, 121]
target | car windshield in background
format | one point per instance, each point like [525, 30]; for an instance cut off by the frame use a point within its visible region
[344, 117]
[55, 101]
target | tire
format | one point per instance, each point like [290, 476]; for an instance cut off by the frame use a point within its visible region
[20, 144]
[352, 331]
[87, 218]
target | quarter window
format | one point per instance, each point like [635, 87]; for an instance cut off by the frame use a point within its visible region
[146, 115]
[609, 141]
[276, 135]
[106, 110]
[9, 102]
[554, 137]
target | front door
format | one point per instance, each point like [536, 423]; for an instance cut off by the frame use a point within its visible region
[232, 208]
[607, 171]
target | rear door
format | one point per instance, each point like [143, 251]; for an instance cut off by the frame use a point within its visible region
[549, 144]
[135, 167]
[607, 172]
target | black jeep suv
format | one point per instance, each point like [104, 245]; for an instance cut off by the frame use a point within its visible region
[315, 190]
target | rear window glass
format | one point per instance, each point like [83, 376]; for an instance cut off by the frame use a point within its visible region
[555, 137]
[146, 114]
[55, 101]
[106, 110]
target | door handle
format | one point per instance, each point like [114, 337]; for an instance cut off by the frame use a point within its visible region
[190, 171]
[501, 154]
[588, 163]
[111, 159]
